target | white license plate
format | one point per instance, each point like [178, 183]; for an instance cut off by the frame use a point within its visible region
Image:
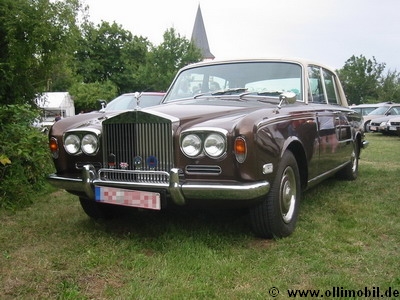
[392, 128]
[373, 128]
[130, 198]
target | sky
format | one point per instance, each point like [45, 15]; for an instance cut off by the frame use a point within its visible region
[325, 31]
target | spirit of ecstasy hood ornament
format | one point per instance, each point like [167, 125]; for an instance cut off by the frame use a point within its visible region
[137, 97]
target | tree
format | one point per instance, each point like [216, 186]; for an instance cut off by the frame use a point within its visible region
[361, 78]
[36, 39]
[87, 95]
[389, 87]
[166, 59]
[107, 52]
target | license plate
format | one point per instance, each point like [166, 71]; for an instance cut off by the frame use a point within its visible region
[373, 128]
[130, 198]
[393, 128]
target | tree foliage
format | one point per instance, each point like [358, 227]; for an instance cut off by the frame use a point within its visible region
[87, 95]
[165, 60]
[36, 40]
[107, 52]
[364, 81]
[25, 161]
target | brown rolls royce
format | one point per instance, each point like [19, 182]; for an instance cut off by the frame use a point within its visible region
[249, 134]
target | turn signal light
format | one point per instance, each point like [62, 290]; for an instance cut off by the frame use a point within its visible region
[240, 148]
[53, 145]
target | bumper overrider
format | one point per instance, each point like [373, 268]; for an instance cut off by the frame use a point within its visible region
[178, 189]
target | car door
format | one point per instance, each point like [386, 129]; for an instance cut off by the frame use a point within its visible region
[334, 128]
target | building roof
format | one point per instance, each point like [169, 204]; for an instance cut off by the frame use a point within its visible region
[199, 36]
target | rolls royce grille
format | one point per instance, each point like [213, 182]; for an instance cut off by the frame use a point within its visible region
[137, 152]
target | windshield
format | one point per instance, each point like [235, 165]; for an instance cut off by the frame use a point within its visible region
[259, 78]
[128, 101]
[379, 111]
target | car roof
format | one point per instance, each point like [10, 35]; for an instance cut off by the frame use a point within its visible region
[372, 104]
[301, 61]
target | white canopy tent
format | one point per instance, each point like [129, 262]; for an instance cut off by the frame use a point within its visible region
[56, 103]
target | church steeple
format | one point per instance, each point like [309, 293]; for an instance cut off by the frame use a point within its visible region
[199, 36]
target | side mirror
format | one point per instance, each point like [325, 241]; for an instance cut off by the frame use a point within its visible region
[103, 103]
[289, 97]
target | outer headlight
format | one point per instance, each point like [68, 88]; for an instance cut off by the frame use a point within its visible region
[191, 145]
[214, 145]
[72, 144]
[89, 144]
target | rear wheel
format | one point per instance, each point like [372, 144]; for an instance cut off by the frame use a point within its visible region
[276, 216]
[350, 172]
[97, 210]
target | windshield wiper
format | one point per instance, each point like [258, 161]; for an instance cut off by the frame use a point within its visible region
[229, 91]
[270, 93]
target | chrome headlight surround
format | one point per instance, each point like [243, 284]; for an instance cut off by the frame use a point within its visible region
[214, 145]
[77, 142]
[90, 144]
[191, 145]
[72, 144]
[200, 142]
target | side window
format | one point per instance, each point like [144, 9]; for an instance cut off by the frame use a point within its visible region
[330, 87]
[316, 90]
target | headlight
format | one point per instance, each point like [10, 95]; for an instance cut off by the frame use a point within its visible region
[89, 144]
[191, 145]
[72, 144]
[214, 145]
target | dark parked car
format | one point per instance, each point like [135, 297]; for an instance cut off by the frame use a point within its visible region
[247, 134]
[133, 100]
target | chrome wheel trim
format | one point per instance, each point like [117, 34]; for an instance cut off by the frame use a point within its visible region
[354, 161]
[288, 194]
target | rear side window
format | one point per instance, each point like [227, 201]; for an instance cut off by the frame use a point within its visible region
[330, 87]
[322, 86]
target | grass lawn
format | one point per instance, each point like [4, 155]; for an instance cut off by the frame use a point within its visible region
[347, 237]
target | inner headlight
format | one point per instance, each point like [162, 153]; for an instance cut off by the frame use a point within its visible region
[72, 144]
[214, 145]
[191, 145]
[89, 144]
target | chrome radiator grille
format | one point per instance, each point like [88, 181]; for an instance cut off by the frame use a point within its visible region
[142, 152]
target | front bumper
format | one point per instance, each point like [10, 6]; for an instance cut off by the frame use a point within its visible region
[179, 190]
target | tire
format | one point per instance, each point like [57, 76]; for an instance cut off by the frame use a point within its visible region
[350, 172]
[97, 210]
[276, 215]
[366, 126]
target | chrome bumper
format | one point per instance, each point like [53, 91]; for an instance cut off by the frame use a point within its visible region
[178, 190]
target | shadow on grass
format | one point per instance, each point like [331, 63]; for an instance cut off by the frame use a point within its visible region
[148, 225]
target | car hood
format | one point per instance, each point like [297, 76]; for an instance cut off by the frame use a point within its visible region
[208, 112]
[213, 112]
[87, 120]
[381, 119]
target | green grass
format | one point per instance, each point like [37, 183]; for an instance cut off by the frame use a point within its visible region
[348, 235]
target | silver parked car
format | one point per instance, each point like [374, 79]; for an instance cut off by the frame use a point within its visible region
[392, 109]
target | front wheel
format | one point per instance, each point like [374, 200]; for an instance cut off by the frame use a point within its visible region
[277, 215]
